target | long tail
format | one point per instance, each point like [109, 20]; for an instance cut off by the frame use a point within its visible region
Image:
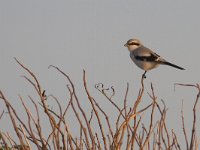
[173, 65]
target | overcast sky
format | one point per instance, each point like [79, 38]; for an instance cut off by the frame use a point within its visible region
[90, 34]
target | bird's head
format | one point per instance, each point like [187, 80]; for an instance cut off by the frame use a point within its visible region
[133, 44]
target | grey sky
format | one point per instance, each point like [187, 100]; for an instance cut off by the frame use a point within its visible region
[76, 35]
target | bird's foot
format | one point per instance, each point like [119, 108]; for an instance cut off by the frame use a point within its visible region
[144, 75]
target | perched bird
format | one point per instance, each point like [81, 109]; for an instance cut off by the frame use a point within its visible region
[144, 57]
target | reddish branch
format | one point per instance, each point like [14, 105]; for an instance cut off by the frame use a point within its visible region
[127, 131]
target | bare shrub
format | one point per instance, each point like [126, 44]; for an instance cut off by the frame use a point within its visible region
[128, 132]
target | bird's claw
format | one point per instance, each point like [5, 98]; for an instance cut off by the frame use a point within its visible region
[144, 75]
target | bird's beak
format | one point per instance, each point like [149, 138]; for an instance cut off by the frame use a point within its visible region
[125, 45]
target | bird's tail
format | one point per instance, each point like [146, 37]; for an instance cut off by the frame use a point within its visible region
[173, 65]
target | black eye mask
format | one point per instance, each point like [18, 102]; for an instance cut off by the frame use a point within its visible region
[134, 44]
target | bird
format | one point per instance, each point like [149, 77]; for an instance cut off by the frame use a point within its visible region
[144, 57]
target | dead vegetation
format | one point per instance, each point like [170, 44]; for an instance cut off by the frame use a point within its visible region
[128, 131]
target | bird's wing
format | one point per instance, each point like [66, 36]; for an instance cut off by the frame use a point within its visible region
[145, 54]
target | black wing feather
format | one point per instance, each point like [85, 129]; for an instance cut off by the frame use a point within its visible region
[152, 58]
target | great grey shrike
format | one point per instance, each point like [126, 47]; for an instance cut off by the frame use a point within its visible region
[144, 57]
